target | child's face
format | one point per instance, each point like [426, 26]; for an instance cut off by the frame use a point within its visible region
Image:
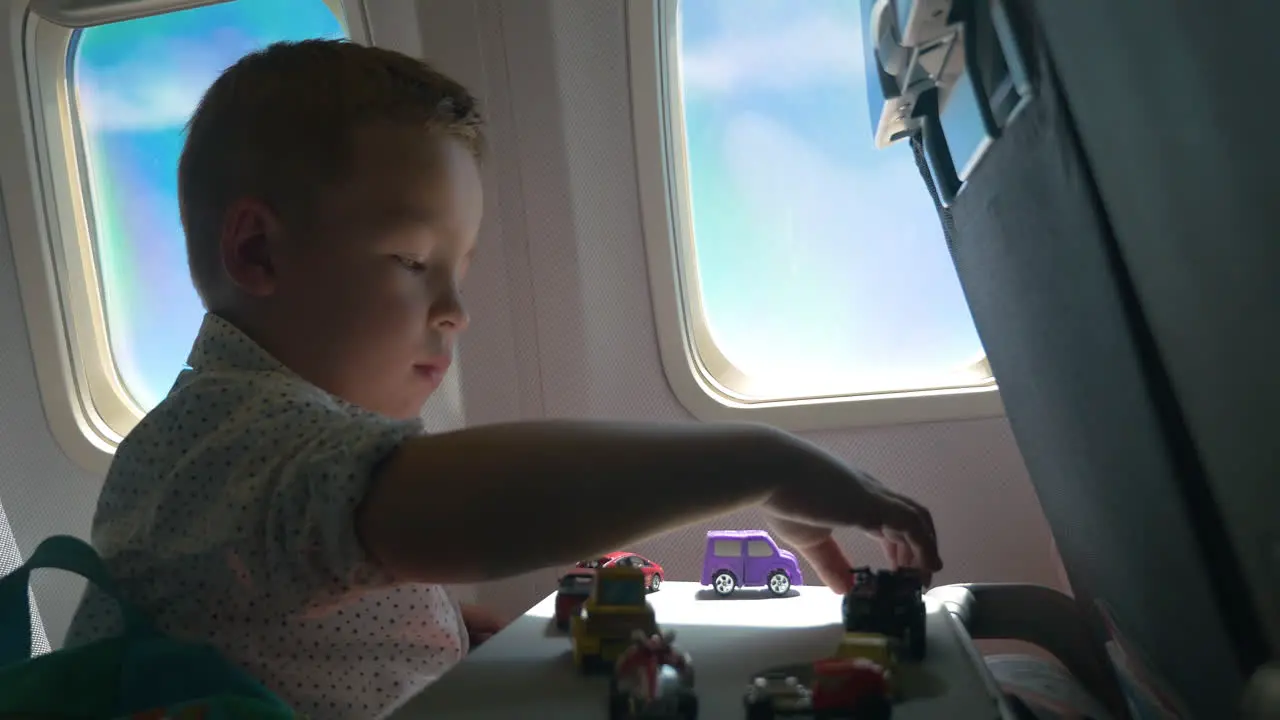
[369, 296]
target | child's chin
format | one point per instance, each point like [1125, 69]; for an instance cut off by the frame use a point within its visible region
[411, 413]
[416, 409]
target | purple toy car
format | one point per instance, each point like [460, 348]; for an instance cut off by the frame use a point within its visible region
[748, 558]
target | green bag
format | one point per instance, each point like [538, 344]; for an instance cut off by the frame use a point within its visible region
[141, 674]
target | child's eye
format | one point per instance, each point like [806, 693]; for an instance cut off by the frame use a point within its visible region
[411, 264]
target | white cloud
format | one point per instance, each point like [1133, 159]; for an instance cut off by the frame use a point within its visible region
[157, 87]
[873, 283]
[162, 103]
[773, 162]
[801, 50]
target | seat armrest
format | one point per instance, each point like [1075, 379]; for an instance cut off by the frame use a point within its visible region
[1262, 694]
[1041, 616]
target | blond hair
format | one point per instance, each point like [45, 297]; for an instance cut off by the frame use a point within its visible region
[278, 126]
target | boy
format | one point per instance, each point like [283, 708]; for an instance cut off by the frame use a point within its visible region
[282, 501]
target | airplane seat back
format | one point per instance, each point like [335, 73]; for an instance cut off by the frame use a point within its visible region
[1088, 395]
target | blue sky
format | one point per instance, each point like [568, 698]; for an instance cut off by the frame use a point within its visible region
[136, 84]
[821, 259]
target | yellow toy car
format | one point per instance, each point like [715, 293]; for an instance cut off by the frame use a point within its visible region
[602, 629]
[877, 648]
[872, 646]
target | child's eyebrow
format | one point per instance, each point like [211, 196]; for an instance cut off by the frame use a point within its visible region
[409, 215]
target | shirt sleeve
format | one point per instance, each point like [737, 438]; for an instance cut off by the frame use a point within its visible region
[293, 464]
[310, 499]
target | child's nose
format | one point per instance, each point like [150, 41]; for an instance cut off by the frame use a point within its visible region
[448, 315]
[453, 323]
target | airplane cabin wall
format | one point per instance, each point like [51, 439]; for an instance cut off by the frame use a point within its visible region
[42, 492]
[562, 320]
[562, 323]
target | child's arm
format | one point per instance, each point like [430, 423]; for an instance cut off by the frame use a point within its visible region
[495, 501]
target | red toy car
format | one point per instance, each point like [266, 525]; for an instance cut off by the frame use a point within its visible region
[855, 685]
[653, 572]
[840, 687]
[575, 588]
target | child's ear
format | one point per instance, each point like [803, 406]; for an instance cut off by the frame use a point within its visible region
[249, 234]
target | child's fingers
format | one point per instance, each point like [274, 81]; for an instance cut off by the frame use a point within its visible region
[901, 555]
[832, 565]
[911, 525]
[894, 550]
[932, 557]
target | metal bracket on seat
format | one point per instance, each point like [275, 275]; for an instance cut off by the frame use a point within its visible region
[952, 70]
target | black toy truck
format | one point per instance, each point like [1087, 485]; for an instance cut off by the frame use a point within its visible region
[888, 602]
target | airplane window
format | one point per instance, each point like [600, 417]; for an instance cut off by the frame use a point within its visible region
[135, 85]
[820, 264]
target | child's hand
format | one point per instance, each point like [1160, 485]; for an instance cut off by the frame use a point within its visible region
[481, 623]
[803, 515]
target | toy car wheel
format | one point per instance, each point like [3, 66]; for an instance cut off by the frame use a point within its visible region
[587, 664]
[913, 642]
[655, 582]
[877, 707]
[858, 615]
[687, 707]
[779, 583]
[916, 640]
[724, 583]
[761, 709]
[619, 707]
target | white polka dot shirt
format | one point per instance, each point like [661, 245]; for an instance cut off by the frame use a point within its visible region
[227, 515]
